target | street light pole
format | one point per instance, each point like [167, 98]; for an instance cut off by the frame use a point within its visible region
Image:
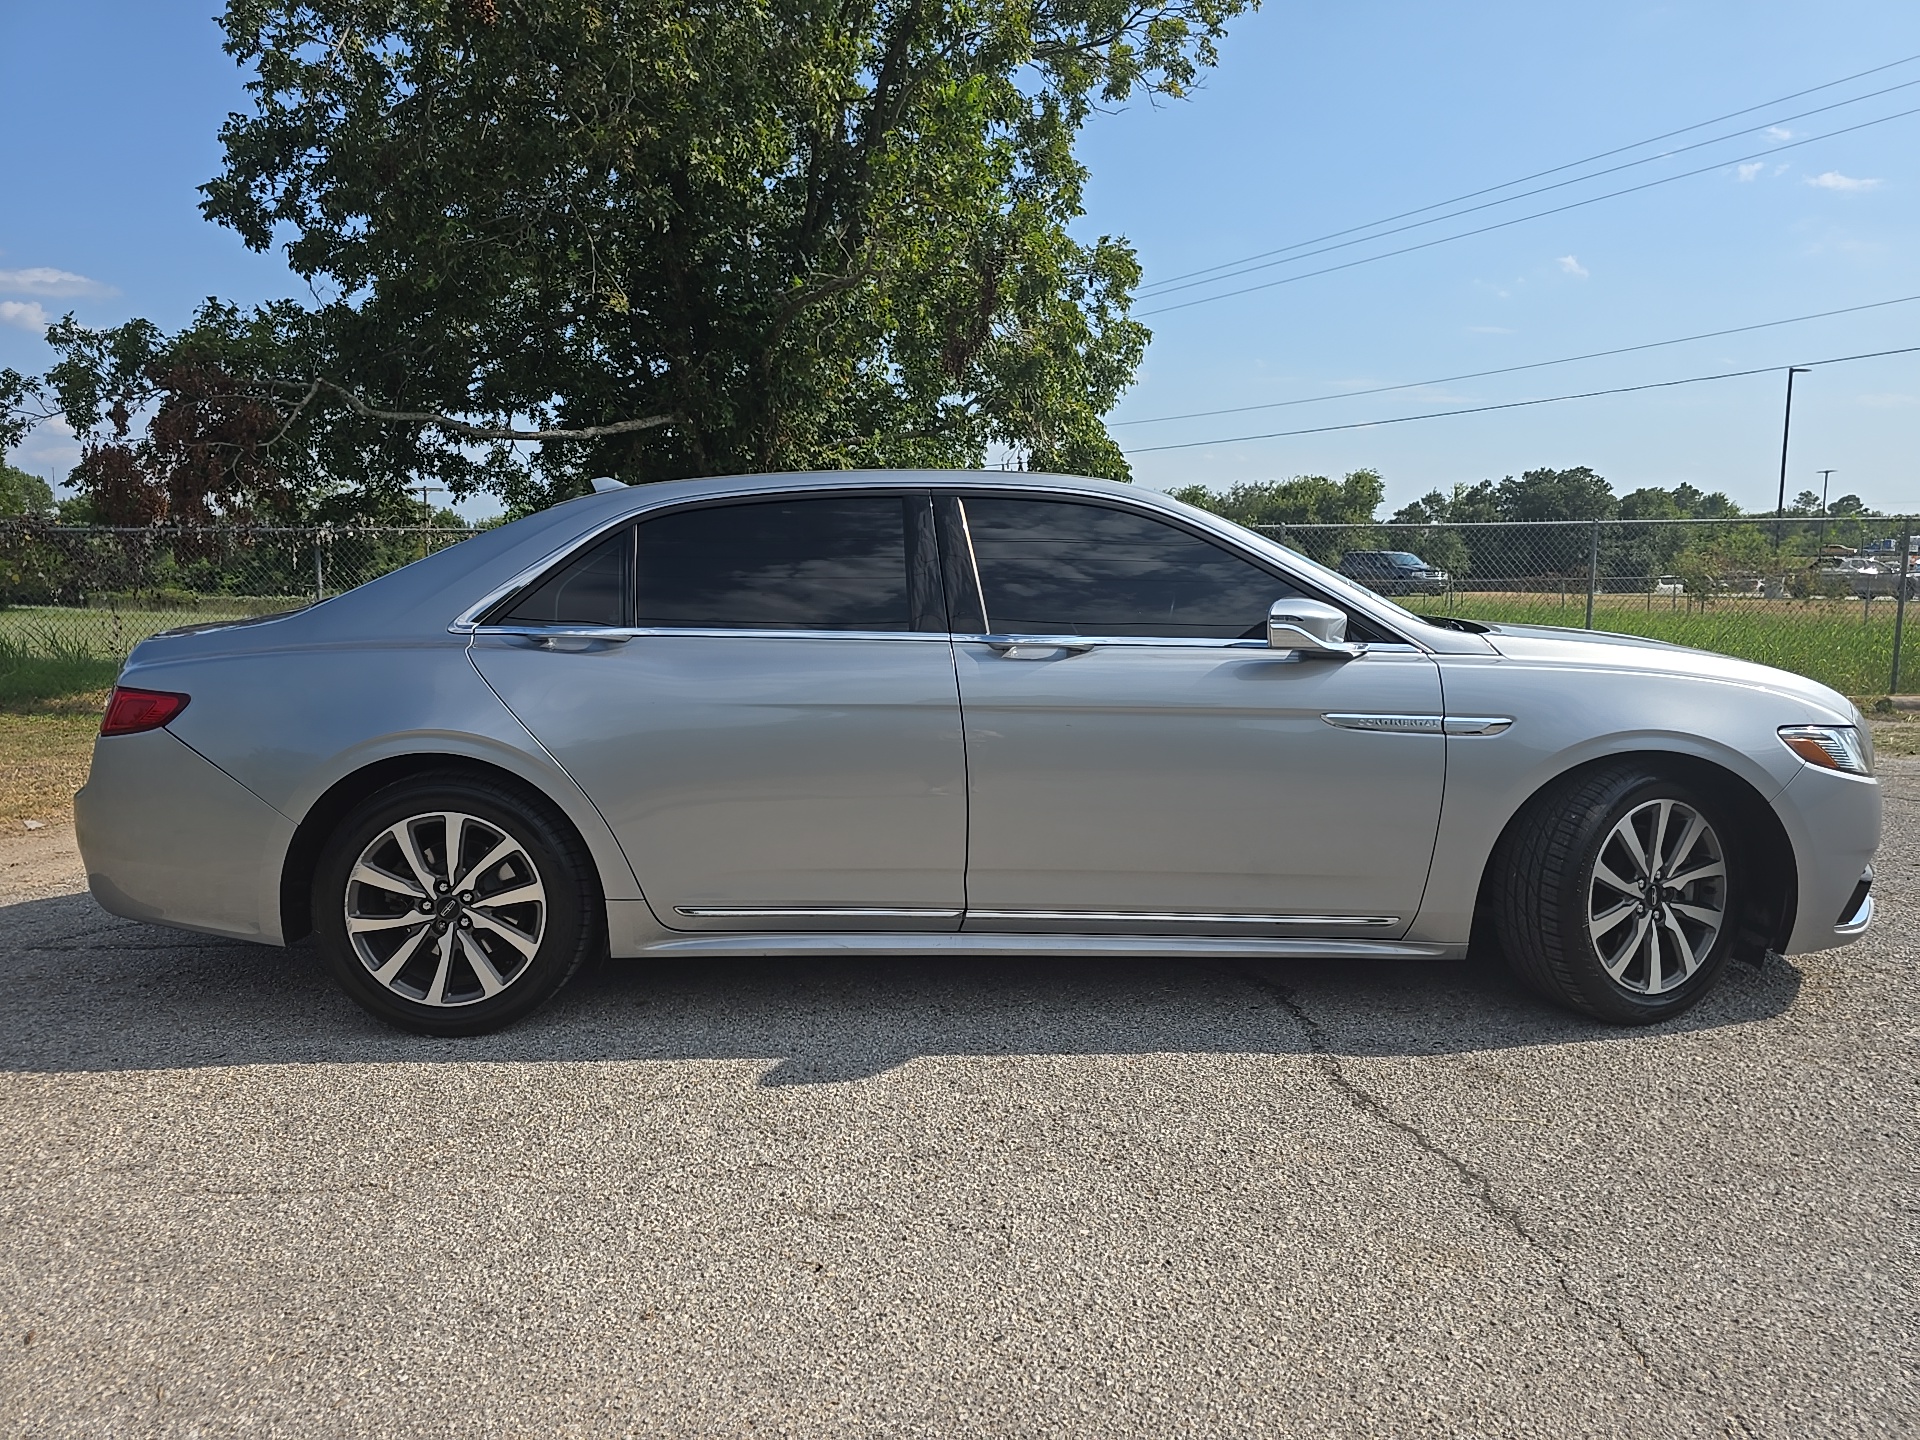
[1786, 429]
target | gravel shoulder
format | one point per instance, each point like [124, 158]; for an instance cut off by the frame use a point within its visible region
[984, 1198]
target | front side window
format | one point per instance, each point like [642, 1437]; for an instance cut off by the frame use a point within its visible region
[807, 563]
[1061, 567]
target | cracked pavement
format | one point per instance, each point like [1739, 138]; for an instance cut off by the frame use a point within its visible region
[972, 1198]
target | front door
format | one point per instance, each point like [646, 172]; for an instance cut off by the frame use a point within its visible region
[1160, 769]
[772, 729]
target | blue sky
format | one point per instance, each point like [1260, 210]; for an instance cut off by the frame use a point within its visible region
[1319, 118]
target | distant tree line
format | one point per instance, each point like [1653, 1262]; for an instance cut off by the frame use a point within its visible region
[1702, 556]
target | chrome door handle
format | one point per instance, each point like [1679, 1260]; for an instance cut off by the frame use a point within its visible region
[1036, 647]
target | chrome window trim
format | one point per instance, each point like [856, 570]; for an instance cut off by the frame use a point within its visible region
[562, 630]
[1182, 642]
[697, 632]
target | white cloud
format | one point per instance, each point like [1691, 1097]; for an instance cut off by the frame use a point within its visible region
[1571, 266]
[1834, 180]
[1777, 132]
[45, 280]
[24, 313]
[1747, 172]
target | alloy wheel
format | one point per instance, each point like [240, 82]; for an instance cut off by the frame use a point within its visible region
[1658, 897]
[445, 909]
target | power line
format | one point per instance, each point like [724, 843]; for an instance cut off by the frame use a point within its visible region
[1515, 369]
[1517, 404]
[1521, 219]
[1538, 174]
[1167, 287]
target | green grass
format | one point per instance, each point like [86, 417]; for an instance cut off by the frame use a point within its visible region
[59, 630]
[1827, 640]
[46, 647]
[48, 671]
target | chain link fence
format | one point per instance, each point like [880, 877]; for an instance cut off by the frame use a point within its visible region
[1825, 597]
[72, 592]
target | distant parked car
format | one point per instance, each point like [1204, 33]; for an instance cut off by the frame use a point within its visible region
[1669, 585]
[1394, 572]
[1865, 578]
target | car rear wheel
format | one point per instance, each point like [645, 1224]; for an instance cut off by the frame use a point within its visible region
[1616, 894]
[447, 905]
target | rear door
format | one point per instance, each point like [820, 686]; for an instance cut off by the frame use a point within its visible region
[1138, 758]
[768, 719]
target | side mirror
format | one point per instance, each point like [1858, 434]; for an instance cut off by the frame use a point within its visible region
[1311, 629]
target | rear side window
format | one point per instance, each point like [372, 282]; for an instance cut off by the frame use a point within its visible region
[1056, 567]
[590, 589]
[810, 563]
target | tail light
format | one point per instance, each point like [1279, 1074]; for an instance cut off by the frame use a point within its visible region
[131, 711]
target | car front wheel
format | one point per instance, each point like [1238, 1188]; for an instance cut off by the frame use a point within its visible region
[1616, 894]
[449, 905]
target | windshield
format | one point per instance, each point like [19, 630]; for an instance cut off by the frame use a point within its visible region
[1401, 557]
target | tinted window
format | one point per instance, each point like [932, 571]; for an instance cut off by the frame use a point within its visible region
[834, 563]
[1056, 567]
[589, 590]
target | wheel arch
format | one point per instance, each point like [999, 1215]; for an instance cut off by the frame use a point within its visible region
[1769, 900]
[350, 790]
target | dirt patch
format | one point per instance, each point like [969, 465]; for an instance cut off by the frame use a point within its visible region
[1897, 735]
[43, 759]
[38, 863]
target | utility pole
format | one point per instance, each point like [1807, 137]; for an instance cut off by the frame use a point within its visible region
[1786, 429]
[426, 520]
[1823, 512]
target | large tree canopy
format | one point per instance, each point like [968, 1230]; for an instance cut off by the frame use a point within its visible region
[690, 239]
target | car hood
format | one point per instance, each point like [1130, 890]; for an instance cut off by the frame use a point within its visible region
[1605, 650]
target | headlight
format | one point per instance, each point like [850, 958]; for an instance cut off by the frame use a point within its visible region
[1832, 747]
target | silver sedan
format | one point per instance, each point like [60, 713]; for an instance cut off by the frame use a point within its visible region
[935, 712]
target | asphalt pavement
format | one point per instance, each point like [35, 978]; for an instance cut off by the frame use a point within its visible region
[993, 1198]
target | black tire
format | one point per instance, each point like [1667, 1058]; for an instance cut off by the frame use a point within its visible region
[525, 948]
[1546, 895]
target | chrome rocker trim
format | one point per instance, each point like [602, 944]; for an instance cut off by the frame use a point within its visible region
[987, 942]
[1175, 917]
[811, 912]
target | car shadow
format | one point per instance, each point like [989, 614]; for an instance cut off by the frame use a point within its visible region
[88, 992]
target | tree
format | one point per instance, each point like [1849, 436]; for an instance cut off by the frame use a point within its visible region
[661, 241]
[1303, 500]
[1576, 494]
[23, 494]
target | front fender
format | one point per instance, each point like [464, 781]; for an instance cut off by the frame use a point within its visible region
[1567, 716]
